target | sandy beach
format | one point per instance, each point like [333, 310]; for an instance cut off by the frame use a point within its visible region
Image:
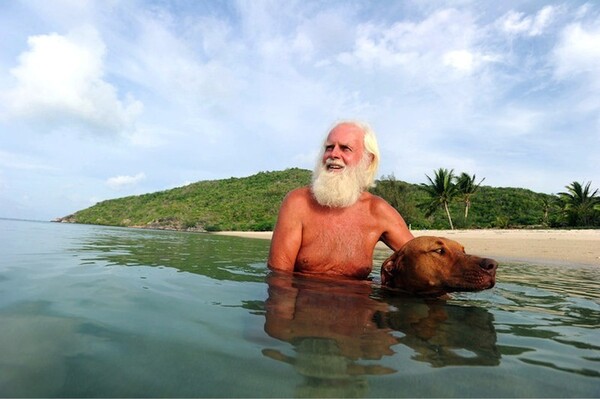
[573, 247]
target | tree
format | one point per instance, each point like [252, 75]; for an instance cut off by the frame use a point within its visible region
[579, 204]
[398, 194]
[466, 187]
[441, 191]
[390, 189]
[546, 207]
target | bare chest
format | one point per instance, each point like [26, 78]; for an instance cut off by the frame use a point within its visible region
[338, 244]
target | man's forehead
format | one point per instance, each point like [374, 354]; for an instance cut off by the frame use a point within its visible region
[346, 133]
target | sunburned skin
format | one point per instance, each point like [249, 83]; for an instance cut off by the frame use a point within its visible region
[332, 228]
[338, 241]
[347, 233]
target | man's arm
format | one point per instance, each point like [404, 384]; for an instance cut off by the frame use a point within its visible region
[287, 235]
[395, 231]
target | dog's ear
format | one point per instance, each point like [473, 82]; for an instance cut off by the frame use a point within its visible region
[390, 267]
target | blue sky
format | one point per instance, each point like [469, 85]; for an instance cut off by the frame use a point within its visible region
[104, 99]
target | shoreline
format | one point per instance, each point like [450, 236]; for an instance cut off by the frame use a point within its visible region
[573, 247]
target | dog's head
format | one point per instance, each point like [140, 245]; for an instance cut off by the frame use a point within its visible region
[434, 266]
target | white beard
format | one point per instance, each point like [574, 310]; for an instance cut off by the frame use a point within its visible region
[340, 189]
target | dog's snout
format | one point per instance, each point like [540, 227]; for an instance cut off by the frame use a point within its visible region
[488, 264]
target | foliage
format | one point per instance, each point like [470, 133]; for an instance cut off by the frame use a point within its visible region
[252, 203]
[399, 194]
[492, 207]
[580, 206]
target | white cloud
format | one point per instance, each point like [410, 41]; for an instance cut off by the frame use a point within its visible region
[427, 48]
[518, 23]
[578, 52]
[149, 137]
[191, 75]
[512, 122]
[60, 79]
[461, 59]
[576, 59]
[118, 182]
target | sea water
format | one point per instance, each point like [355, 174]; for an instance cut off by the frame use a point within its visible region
[90, 311]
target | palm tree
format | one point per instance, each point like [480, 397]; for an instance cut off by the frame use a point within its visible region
[467, 187]
[579, 204]
[546, 207]
[441, 191]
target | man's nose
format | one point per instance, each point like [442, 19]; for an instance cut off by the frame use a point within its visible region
[335, 152]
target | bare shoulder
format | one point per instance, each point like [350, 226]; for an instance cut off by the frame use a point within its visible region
[296, 202]
[297, 194]
[381, 208]
[395, 232]
[297, 197]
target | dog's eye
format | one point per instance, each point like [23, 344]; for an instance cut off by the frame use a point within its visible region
[439, 251]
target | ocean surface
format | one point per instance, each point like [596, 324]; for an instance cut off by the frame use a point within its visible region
[89, 311]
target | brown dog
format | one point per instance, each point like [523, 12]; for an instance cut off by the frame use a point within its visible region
[434, 266]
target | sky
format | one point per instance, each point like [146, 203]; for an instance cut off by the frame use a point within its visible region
[106, 99]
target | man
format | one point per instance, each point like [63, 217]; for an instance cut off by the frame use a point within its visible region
[332, 226]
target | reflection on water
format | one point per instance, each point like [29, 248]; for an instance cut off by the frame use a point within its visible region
[93, 311]
[444, 335]
[339, 330]
[331, 327]
[221, 258]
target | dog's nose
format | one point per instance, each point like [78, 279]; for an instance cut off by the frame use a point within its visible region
[488, 264]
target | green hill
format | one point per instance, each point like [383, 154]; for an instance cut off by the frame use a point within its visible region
[251, 204]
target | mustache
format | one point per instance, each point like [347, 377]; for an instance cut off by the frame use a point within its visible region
[334, 162]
